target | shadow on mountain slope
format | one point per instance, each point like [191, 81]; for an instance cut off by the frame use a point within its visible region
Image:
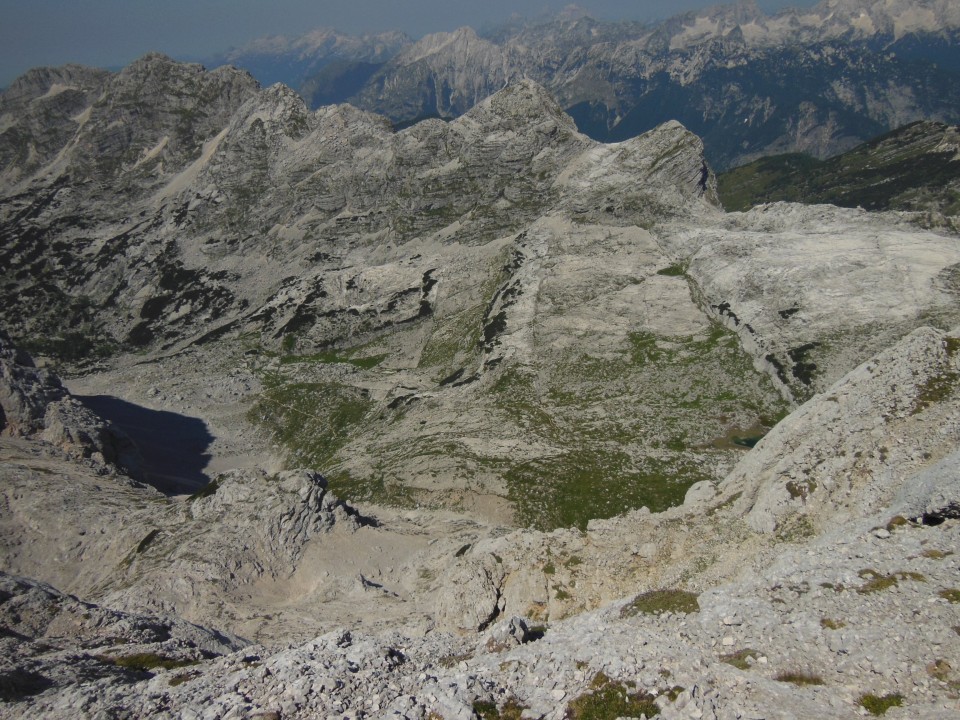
[174, 446]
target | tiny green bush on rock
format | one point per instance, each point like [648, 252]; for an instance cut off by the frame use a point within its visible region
[608, 700]
[657, 602]
[879, 704]
[951, 595]
[799, 678]
[741, 659]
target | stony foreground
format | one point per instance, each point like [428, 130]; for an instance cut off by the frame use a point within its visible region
[867, 611]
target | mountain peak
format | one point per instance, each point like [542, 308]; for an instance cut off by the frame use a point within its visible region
[521, 100]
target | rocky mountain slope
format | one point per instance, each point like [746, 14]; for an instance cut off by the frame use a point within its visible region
[496, 313]
[815, 80]
[828, 554]
[914, 168]
[394, 388]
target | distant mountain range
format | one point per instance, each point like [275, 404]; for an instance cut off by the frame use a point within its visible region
[818, 81]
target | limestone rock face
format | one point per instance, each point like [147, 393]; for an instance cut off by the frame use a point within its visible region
[53, 641]
[25, 391]
[80, 433]
[34, 611]
[933, 493]
[471, 599]
[784, 308]
[246, 527]
[292, 507]
[848, 449]
[33, 402]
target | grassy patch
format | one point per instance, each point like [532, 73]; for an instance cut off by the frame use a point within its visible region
[311, 420]
[936, 389]
[798, 677]
[741, 659]
[951, 595]
[940, 386]
[657, 602]
[796, 529]
[879, 704]
[631, 426]
[933, 554]
[510, 710]
[608, 700]
[801, 489]
[572, 488]
[332, 357]
[456, 338]
[831, 624]
[876, 582]
[676, 270]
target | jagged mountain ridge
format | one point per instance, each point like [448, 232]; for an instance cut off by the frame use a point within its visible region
[812, 80]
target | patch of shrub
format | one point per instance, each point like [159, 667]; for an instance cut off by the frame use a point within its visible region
[536, 632]
[939, 669]
[608, 700]
[511, 710]
[657, 602]
[875, 582]
[951, 594]
[740, 659]
[897, 521]
[451, 661]
[879, 704]
[672, 271]
[798, 677]
[181, 678]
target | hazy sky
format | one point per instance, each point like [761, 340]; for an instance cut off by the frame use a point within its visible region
[111, 33]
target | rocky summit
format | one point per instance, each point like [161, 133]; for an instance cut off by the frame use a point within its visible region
[304, 416]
